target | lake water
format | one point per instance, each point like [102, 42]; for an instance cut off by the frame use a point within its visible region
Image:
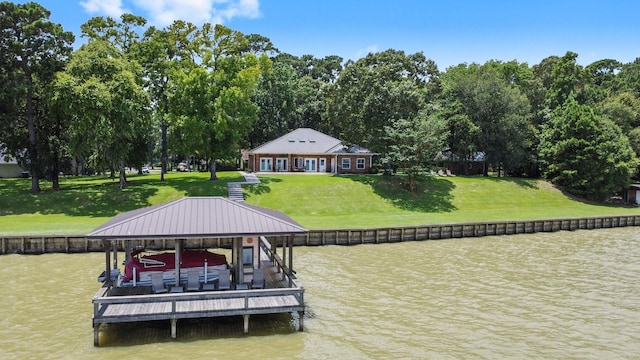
[550, 295]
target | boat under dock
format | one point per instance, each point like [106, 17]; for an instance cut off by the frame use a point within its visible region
[281, 294]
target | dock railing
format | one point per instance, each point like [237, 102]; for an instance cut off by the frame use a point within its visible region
[287, 274]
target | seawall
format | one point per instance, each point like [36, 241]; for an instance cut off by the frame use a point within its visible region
[40, 244]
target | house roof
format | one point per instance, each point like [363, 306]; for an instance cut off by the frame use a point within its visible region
[197, 217]
[302, 141]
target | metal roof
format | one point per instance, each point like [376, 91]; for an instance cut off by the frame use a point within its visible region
[197, 217]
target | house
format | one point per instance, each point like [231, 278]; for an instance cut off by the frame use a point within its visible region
[474, 164]
[9, 167]
[631, 195]
[309, 150]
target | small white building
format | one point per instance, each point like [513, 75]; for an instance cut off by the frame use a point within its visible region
[9, 167]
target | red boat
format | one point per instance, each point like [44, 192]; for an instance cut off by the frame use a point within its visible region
[137, 270]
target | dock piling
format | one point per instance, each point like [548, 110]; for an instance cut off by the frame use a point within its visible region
[246, 323]
[174, 329]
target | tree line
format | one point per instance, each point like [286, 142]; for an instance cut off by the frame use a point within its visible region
[134, 94]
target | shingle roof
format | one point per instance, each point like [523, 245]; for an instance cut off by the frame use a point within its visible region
[301, 141]
[197, 217]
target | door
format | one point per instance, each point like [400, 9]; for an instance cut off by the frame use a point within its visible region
[282, 164]
[266, 164]
[323, 165]
[310, 165]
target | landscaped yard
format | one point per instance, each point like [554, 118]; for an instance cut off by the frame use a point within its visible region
[84, 203]
[315, 201]
[363, 201]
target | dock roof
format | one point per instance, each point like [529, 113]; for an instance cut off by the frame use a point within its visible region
[197, 217]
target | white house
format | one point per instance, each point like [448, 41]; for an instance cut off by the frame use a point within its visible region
[9, 167]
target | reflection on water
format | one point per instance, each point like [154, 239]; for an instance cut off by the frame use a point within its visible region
[556, 295]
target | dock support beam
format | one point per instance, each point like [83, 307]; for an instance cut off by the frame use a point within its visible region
[173, 328]
[300, 321]
[96, 335]
[246, 323]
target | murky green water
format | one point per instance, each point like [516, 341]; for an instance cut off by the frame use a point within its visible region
[560, 295]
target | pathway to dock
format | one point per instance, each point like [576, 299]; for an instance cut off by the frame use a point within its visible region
[235, 188]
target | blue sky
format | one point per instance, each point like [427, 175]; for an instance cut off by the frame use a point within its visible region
[449, 32]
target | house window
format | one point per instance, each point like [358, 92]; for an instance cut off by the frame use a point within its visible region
[297, 163]
[346, 163]
[360, 163]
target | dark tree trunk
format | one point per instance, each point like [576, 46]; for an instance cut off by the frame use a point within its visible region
[214, 176]
[33, 141]
[164, 150]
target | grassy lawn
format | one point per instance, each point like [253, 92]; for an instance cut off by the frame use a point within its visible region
[315, 201]
[84, 203]
[355, 201]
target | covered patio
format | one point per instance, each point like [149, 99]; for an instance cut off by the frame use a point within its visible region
[258, 280]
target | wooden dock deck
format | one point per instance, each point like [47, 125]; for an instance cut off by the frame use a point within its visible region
[282, 294]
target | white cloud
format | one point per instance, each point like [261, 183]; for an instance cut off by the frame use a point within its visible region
[111, 8]
[364, 52]
[164, 12]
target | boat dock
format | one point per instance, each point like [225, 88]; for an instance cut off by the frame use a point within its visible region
[281, 294]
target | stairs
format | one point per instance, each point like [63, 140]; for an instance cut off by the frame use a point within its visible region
[235, 188]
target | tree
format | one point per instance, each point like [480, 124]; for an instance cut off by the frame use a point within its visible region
[276, 96]
[585, 153]
[165, 54]
[628, 79]
[603, 72]
[462, 132]
[377, 90]
[567, 77]
[213, 107]
[499, 111]
[101, 94]
[624, 110]
[414, 142]
[33, 49]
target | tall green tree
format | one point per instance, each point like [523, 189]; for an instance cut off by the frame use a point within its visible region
[213, 104]
[106, 104]
[567, 77]
[586, 153]
[276, 96]
[33, 49]
[377, 90]
[628, 79]
[415, 142]
[499, 111]
[165, 55]
[461, 130]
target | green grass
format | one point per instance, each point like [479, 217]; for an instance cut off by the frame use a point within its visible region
[84, 203]
[362, 201]
[315, 201]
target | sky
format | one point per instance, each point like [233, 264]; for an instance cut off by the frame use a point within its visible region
[449, 32]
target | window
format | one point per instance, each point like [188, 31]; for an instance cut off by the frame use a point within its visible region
[346, 163]
[360, 163]
[247, 255]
